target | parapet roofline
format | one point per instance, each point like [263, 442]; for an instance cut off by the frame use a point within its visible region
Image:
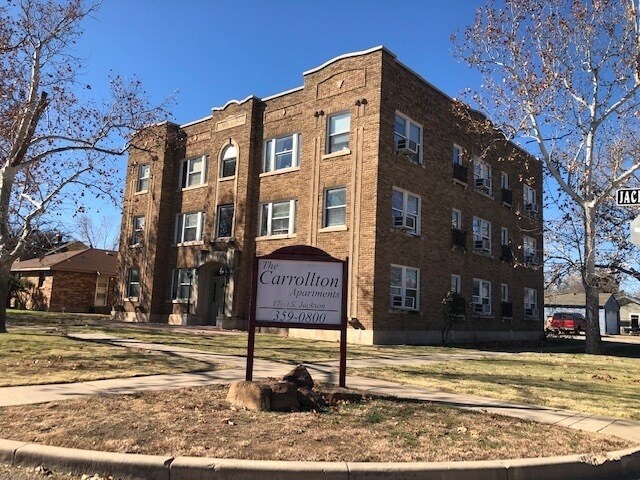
[348, 55]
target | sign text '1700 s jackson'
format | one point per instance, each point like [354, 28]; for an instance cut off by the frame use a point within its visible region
[299, 292]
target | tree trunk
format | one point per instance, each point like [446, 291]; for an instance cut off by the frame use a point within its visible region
[4, 293]
[593, 342]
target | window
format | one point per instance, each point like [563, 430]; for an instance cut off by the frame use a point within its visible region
[194, 172]
[144, 171]
[529, 249]
[457, 155]
[102, 287]
[277, 218]
[481, 297]
[408, 138]
[182, 285]
[339, 127]
[225, 221]
[138, 230]
[281, 153]
[189, 227]
[405, 211]
[456, 284]
[405, 284]
[504, 180]
[504, 292]
[504, 236]
[335, 206]
[456, 219]
[529, 199]
[482, 176]
[133, 283]
[481, 235]
[228, 161]
[530, 302]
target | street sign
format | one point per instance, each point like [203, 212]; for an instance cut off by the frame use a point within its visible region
[635, 231]
[628, 196]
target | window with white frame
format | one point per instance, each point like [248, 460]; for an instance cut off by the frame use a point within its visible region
[456, 284]
[338, 128]
[102, 289]
[482, 176]
[504, 236]
[457, 155]
[408, 138]
[133, 283]
[144, 172]
[504, 180]
[405, 287]
[194, 172]
[504, 292]
[182, 284]
[277, 218]
[137, 233]
[335, 206]
[529, 249]
[529, 199]
[282, 152]
[189, 227]
[456, 219]
[228, 161]
[531, 302]
[481, 235]
[405, 211]
[481, 299]
[224, 229]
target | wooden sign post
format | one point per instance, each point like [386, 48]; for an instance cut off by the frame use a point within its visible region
[299, 287]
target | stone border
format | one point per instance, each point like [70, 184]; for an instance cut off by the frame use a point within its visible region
[620, 464]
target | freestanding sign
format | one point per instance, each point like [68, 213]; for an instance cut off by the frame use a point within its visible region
[299, 287]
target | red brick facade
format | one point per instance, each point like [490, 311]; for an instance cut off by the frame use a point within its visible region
[373, 87]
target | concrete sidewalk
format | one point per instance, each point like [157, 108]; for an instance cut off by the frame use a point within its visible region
[321, 372]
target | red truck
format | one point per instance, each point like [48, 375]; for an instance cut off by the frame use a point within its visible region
[564, 322]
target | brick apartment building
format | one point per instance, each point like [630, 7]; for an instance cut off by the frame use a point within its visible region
[367, 161]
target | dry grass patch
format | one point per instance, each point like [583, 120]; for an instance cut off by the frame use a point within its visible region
[30, 357]
[598, 384]
[199, 422]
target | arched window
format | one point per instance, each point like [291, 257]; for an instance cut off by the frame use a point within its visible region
[229, 159]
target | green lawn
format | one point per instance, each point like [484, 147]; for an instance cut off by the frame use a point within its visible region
[602, 385]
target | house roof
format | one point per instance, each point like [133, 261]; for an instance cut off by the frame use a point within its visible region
[89, 260]
[574, 299]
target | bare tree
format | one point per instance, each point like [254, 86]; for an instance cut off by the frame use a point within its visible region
[55, 143]
[97, 232]
[564, 75]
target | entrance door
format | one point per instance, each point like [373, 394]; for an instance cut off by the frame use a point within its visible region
[216, 298]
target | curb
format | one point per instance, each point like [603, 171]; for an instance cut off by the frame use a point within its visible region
[619, 464]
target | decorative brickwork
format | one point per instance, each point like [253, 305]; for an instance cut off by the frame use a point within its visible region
[372, 87]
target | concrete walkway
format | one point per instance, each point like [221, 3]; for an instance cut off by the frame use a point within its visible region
[233, 369]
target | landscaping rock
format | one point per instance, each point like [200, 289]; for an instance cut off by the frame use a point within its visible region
[337, 395]
[252, 395]
[311, 400]
[300, 377]
[284, 397]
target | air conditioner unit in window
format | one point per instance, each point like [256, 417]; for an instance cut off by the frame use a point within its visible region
[406, 147]
[486, 309]
[478, 244]
[477, 308]
[404, 223]
[528, 312]
[483, 245]
[482, 184]
[534, 312]
[531, 208]
[410, 302]
[531, 259]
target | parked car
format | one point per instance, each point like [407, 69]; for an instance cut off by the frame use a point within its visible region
[565, 322]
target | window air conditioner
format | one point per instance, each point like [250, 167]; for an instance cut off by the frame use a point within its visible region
[478, 244]
[406, 147]
[404, 223]
[531, 208]
[534, 312]
[531, 259]
[486, 309]
[528, 312]
[482, 184]
[410, 302]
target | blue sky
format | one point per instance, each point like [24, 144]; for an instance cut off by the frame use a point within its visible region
[214, 51]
